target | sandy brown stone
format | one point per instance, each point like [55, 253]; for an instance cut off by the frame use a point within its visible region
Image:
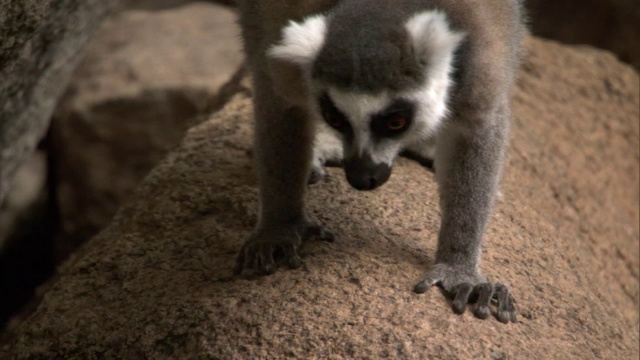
[157, 282]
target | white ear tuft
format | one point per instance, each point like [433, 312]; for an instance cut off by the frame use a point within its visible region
[301, 42]
[433, 39]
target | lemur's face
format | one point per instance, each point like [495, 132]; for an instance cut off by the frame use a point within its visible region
[376, 128]
[381, 98]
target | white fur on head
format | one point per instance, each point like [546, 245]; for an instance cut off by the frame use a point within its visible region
[301, 42]
[434, 43]
[433, 39]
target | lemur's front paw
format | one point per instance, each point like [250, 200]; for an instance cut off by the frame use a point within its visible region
[327, 151]
[317, 173]
[466, 288]
[271, 247]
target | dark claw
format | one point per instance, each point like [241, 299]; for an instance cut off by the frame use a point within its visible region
[269, 268]
[421, 287]
[506, 309]
[295, 262]
[266, 262]
[290, 258]
[239, 264]
[485, 294]
[249, 274]
[314, 177]
[248, 266]
[462, 292]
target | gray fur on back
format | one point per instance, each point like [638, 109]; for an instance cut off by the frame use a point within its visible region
[367, 47]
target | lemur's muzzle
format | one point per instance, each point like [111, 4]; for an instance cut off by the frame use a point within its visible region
[364, 174]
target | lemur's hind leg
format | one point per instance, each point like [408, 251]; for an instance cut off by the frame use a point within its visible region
[424, 153]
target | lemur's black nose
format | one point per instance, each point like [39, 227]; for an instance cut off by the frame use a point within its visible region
[362, 183]
[364, 174]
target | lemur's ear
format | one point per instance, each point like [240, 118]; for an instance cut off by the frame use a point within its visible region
[432, 38]
[301, 42]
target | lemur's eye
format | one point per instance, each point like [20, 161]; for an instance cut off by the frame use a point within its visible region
[396, 123]
[394, 120]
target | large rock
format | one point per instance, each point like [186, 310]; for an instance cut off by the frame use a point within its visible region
[157, 282]
[41, 40]
[147, 77]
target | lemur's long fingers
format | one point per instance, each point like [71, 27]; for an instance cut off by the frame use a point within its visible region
[265, 263]
[247, 269]
[484, 293]
[291, 257]
[239, 264]
[434, 277]
[506, 308]
[425, 284]
[461, 294]
[422, 286]
[255, 260]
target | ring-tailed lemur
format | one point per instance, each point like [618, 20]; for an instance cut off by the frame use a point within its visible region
[432, 77]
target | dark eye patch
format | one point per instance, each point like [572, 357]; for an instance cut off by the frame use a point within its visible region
[333, 116]
[394, 120]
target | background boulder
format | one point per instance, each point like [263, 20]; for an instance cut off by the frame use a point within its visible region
[40, 44]
[146, 78]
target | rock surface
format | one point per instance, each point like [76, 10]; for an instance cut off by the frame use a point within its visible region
[26, 228]
[156, 283]
[29, 185]
[39, 47]
[147, 77]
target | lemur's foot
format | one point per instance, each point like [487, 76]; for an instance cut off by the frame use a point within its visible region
[273, 246]
[327, 151]
[466, 288]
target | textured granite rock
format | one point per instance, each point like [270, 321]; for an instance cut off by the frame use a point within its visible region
[39, 47]
[157, 283]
